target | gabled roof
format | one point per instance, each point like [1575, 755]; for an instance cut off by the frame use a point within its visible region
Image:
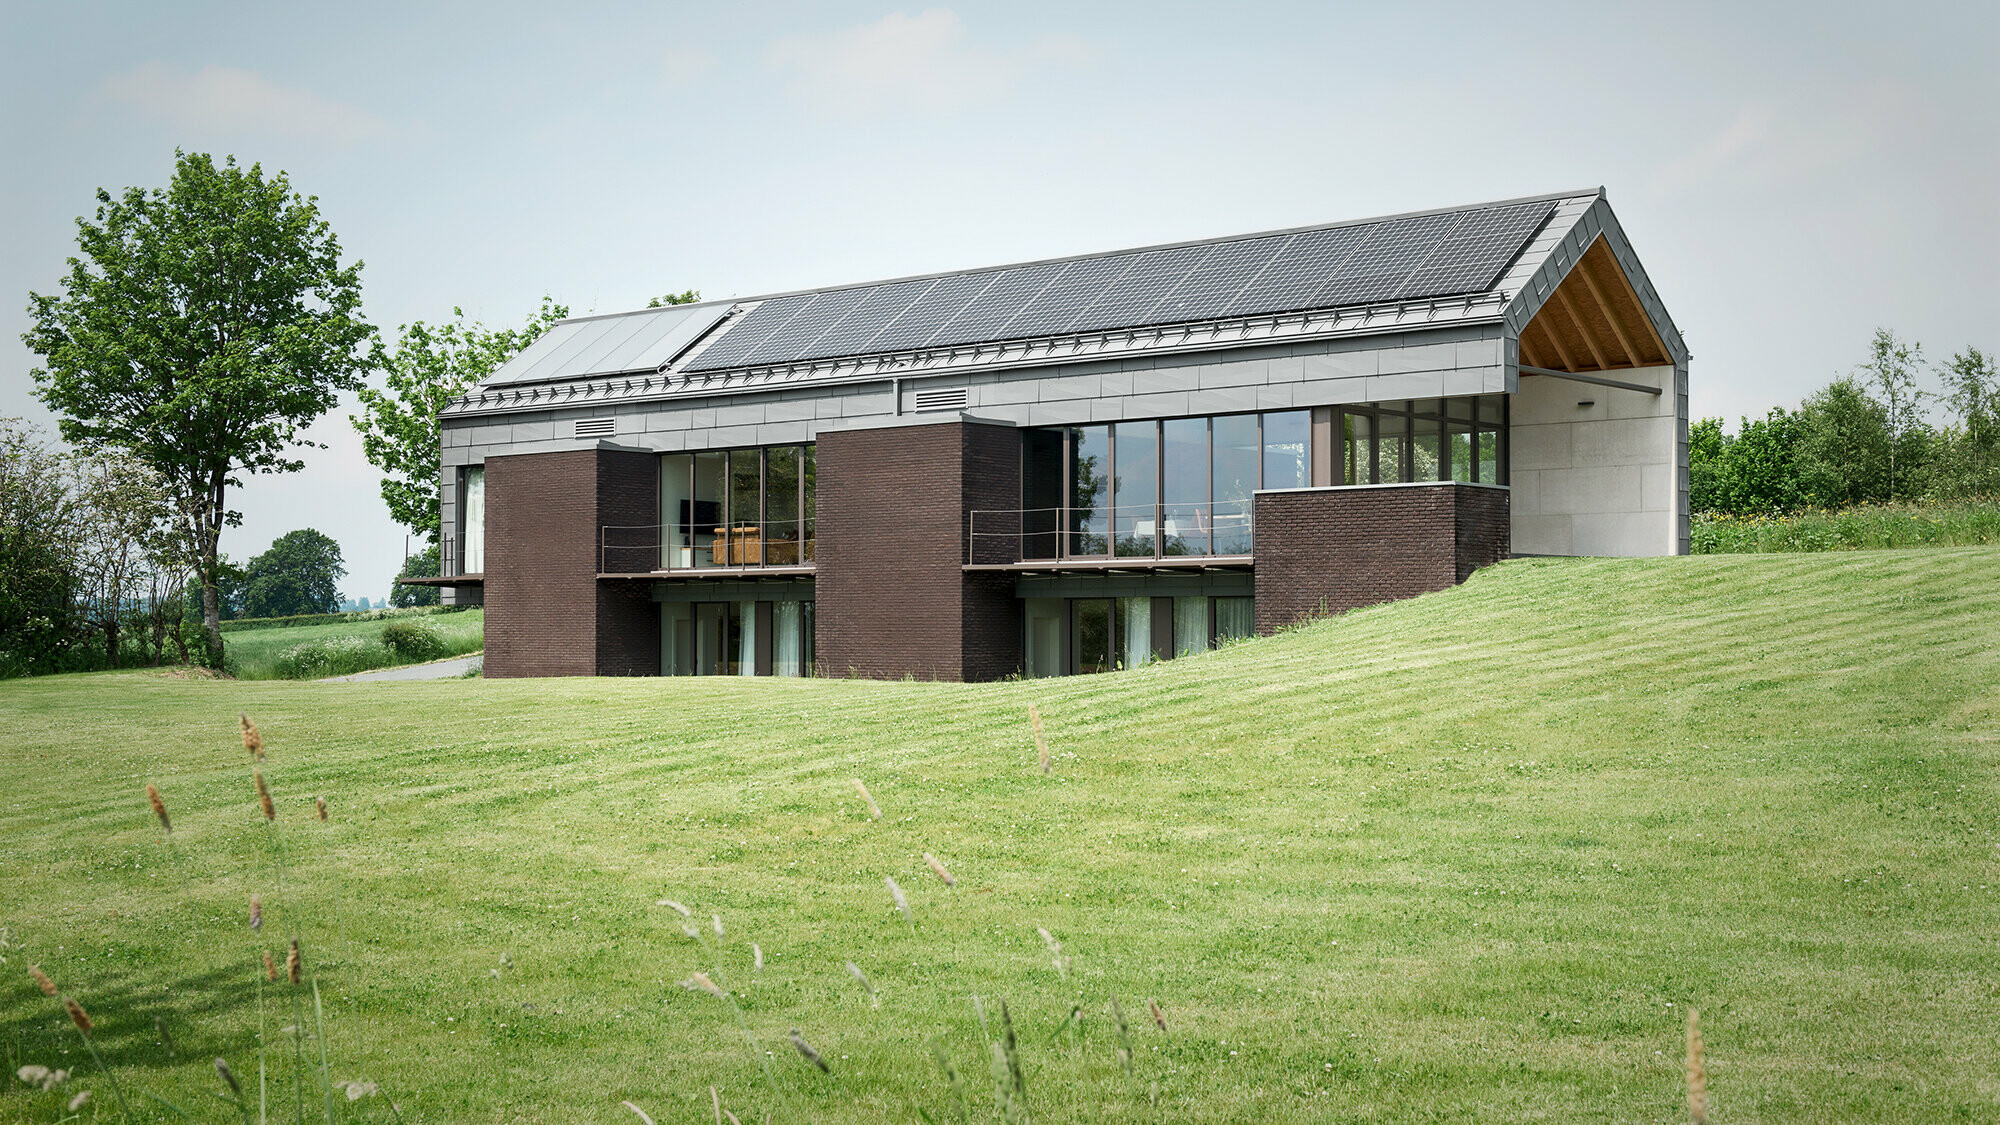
[1487, 262]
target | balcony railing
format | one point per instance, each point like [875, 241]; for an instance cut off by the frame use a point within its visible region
[657, 548]
[1136, 532]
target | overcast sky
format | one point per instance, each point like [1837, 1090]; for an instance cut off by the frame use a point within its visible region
[1792, 177]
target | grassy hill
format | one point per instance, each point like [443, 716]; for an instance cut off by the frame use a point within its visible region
[1464, 858]
[258, 654]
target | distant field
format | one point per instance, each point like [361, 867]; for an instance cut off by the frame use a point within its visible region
[1467, 858]
[256, 653]
[1963, 523]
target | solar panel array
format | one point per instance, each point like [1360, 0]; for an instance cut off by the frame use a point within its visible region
[1404, 259]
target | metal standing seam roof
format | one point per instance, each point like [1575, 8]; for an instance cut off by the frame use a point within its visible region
[1476, 256]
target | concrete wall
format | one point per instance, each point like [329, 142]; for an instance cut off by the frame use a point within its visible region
[1605, 479]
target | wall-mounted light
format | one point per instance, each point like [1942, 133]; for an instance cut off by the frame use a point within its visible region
[1586, 402]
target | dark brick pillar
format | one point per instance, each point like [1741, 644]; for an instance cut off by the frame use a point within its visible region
[892, 506]
[547, 614]
[1328, 550]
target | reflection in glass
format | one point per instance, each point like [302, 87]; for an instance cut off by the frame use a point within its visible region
[1090, 644]
[1424, 452]
[1184, 502]
[1135, 490]
[474, 552]
[1233, 477]
[1089, 490]
[710, 472]
[743, 637]
[1392, 448]
[1357, 449]
[1041, 494]
[1045, 623]
[677, 510]
[781, 505]
[1462, 459]
[808, 472]
[745, 507]
[1287, 449]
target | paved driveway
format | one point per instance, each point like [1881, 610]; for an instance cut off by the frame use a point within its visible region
[438, 670]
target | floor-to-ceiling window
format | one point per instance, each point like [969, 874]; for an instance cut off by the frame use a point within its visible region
[737, 507]
[472, 520]
[736, 636]
[1461, 439]
[1081, 635]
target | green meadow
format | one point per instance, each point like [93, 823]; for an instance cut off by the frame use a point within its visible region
[1466, 858]
[341, 648]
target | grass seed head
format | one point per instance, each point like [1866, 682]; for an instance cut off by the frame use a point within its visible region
[256, 912]
[1041, 744]
[902, 904]
[874, 1001]
[756, 957]
[702, 982]
[1697, 1077]
[252, 741]
[874, 809]
[264, 796]
[718, 925]
[806, 1052]
[270, 966]
[228, 1077]
[78, 1016]
[292, 963]
[1056, 954]
[159, 807]
[677, 908]
[78, 1102]
[1159, 1019]
[938, 868]
[319, 805]
[42, 980]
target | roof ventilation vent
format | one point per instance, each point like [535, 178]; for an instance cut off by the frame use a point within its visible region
[596, 427]
[943, 398]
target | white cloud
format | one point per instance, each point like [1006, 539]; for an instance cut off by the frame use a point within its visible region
[225, 99]
[923, 63]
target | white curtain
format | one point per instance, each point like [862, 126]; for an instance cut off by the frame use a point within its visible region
[746, 643]
[788, 629]
[1135, 631]
[472, 553]
[1190, 626]
[1234, 617]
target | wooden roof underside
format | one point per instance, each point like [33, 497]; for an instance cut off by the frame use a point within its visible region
[1593, 322]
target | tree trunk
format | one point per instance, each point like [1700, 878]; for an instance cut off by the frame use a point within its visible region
[210, 563]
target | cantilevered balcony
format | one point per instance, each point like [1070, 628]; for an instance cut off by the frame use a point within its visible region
[736, 549]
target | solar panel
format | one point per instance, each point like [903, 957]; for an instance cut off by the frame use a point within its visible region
[1212, 284]
[755, 327]
[1054, 308]
[1472, 257]
[1000, 303]
[1290, 281]
[1133, 295]
[1393, 259]
[929, 312]
[1372, 272]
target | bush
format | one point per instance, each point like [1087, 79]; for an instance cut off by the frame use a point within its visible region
[415, 641]
[331, 656]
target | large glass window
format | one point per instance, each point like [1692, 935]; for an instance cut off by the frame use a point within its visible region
[1192, 627]
[1234, 618]
[1090, 641]
[1233, 463]
[1041, 495]
[737, 507]
[736, 638]
[1089, 490]
[1135, 632]
[1136, 487]
[473, 553]
[1184, 498]
[1288, 449]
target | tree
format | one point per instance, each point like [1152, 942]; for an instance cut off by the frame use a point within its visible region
[38, 572]
[1972, 391]
[301, 573]
[1707, 448]
[200, 327]
[1892, 369]
[124, 506]
[428, 368]
[684, 297]
[1844, 450]
[423, 564]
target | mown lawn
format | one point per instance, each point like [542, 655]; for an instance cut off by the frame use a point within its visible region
[254, 654]
[1467, 858]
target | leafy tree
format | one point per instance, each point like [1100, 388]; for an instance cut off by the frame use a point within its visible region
[1971, 459]
[1761, 472]
[299, 574]
[1892, 370]
[684, 297]
[124, 507]
[200, 327]
[1844, 449]
[38, 571]
[429, 367]
[423, 564]
[1707, 448]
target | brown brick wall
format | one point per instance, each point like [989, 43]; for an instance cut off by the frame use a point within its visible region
[546, 612]
[1322, 551]
[891, 511]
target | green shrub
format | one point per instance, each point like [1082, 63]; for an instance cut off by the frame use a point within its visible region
[332, 656]
[1963, 523]
[414, 641]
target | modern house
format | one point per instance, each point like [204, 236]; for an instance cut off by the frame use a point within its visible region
[1069, 465]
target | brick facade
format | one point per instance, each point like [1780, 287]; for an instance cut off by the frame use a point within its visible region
[1328, 550]
[547, 614]
[892, 509]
